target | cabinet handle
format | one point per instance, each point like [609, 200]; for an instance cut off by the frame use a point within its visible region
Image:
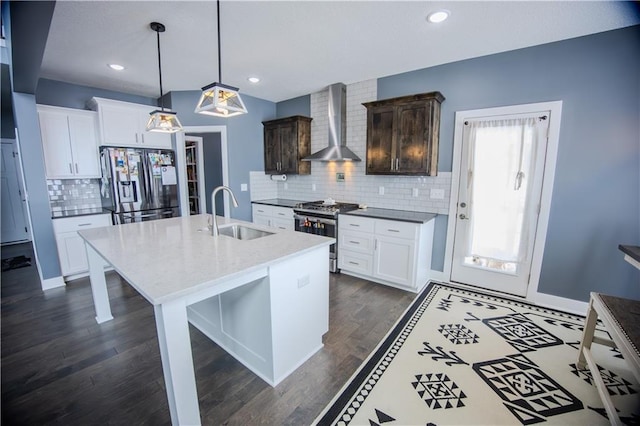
[76, 167]
[84, 224]
[393, 230]
[354, 263]
[392, 163]
[397, 163]
[142, 137]
[136, 138]
[354, 242]
[355, 225]
[70, 168]
[375, 244]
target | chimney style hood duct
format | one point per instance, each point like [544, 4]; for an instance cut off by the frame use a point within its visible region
[337, 149]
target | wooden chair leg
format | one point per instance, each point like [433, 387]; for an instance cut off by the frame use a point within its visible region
[587, 334]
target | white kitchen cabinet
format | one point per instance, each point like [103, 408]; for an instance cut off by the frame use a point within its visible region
[389, 252]
[69, 142]
[275, 216]
[124, 124]
[71, 249]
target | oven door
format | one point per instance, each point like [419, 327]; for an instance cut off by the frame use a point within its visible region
[319, 226]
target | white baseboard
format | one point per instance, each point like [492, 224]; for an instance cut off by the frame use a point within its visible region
[438, 276]
[563, 304]
[54, 282]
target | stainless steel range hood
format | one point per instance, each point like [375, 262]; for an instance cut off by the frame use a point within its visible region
[337, 149]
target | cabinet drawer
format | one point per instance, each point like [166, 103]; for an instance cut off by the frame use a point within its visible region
[356, 262]
[396, 229]
[261, 209]
[356, 241]
[356, 223]
[281, 212]
[289, 224]
[70, 224]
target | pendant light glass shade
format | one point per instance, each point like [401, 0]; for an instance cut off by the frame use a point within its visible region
[220, 100]
[162, 120]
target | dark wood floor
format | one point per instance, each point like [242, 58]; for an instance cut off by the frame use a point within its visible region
[59, 367]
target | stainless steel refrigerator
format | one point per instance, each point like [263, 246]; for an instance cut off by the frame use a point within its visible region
[138, 184]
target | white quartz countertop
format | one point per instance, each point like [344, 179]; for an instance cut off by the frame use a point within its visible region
[170, 258]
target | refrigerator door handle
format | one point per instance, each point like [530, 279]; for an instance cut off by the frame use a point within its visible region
[149, 177]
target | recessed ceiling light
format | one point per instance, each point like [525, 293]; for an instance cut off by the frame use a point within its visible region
[115, 67]
[253, 80]
[438, 16]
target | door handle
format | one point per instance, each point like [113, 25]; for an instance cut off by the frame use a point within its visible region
[463, 216]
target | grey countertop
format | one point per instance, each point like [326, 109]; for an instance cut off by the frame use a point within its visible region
[281, 202]
[399, 215]
[631, 251]
[79, 212]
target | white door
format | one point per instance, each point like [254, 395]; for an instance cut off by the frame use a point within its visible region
[14, 221]
[502, 165]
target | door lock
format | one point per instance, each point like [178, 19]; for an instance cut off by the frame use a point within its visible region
[463, 205]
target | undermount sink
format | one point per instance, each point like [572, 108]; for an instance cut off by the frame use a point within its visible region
[241, 232]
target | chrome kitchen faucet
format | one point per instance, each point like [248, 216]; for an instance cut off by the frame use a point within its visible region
[214, 222]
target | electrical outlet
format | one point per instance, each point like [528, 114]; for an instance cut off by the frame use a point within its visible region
[381, 190]
[436, 194]
[415, 192]
[303, 281]
[244, 187]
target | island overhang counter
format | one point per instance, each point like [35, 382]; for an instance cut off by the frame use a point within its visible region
[265, 301]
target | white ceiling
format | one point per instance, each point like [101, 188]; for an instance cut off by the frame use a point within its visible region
[298, 47]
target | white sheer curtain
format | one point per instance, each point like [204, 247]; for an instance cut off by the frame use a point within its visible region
[500, 175]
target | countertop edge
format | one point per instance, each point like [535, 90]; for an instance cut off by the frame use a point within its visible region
[381, 215]
[631, 251]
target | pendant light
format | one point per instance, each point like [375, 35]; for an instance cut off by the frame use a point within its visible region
[218, 99]
[162, 120]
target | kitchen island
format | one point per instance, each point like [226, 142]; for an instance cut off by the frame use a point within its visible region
[264, 300]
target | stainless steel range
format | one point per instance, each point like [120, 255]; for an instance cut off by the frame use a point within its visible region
[321, 218]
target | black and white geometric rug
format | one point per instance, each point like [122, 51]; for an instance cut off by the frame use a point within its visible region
[460, 357]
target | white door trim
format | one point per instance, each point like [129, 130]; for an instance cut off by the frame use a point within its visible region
[555, 109]
[200, 167]
[180, 154]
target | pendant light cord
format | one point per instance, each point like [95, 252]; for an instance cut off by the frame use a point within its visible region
[219, 43]
[160, 72]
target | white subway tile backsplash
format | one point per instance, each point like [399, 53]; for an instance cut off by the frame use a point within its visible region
[74, 194]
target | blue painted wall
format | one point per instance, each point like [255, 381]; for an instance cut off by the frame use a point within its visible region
[596, 196]
[58, 93]
[296, 106]
[244, 139]
[26, 117]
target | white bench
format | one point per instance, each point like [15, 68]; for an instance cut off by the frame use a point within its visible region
[621, 318]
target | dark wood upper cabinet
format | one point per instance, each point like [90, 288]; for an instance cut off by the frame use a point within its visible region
[403, 135]
[286, 142]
